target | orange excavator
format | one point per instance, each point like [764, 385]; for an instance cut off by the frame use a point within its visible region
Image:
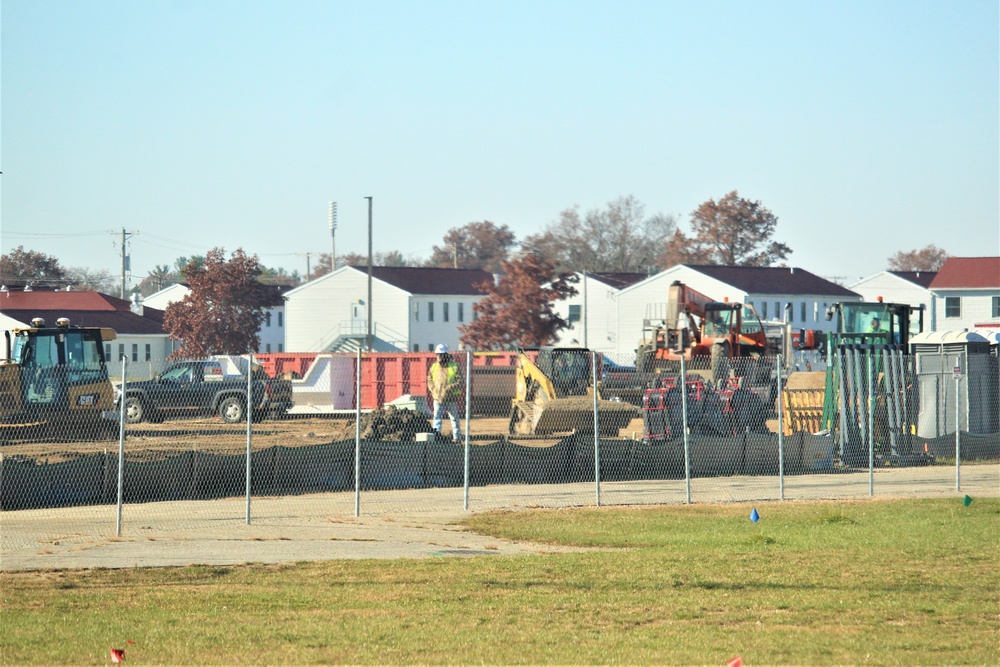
[696, 327]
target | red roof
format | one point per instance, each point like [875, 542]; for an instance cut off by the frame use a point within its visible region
[968, 273]
[85, 309]
[430, 280]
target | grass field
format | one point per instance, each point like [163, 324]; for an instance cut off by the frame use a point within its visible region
[907, 582]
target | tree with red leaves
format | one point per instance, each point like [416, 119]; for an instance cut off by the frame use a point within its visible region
[223, 312]
[517, 311]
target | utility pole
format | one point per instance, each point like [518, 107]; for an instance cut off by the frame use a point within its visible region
[125, 258]
[369, 273]
[307, 255]
[332, 215]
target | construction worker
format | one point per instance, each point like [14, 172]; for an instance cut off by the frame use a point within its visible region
[444, 384]
[876, 326]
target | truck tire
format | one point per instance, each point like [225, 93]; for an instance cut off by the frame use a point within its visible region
[233, 409]
[135, 410]
[720, 361]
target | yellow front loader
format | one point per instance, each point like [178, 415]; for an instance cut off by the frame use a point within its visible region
[555, 394]
[54, 383]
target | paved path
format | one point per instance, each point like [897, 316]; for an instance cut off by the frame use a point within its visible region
[394, 524]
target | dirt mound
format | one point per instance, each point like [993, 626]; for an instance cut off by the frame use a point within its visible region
[390, 425]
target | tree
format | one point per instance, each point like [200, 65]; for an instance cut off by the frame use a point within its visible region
[930, 258]
[224, 310]
[476, 245]
[82, 278]
[517, 311]
[731, 232]
[280, 276]
[29, 267]
[618, 238]
[161, 276]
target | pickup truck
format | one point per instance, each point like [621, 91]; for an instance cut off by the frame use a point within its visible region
[199, 388]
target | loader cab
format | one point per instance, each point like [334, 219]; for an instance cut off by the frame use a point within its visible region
[876, 322]
[734, 323]
[568, 368]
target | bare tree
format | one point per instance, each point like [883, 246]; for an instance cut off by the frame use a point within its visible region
[619, 237]
[929, 258]
[477, 245]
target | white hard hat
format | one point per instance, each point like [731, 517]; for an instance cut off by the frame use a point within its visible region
[441, 349]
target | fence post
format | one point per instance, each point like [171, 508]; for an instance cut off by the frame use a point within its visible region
[871, 429]
[468, 412]
[121, 448]
[684, 430]
[958, 425]
[249, 429]
[597, 437]
[357, 437]
[781, 435]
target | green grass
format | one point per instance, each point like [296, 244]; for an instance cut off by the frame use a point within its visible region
[880, 582]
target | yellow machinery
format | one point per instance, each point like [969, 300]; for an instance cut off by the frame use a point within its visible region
[53, 380]
[555, 394]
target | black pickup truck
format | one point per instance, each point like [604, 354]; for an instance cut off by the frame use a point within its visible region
[198, 388]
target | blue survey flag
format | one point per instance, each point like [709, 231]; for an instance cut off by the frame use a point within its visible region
[754, 516]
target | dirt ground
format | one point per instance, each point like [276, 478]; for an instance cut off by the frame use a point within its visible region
[151, 442]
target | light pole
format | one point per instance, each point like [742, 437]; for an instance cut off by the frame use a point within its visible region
[369, 338]
[332, 214]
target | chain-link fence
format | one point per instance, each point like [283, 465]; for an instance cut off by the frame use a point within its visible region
[201, 440]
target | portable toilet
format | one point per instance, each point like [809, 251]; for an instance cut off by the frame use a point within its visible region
[956, 362]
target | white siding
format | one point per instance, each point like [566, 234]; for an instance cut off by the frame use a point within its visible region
[600, 313]
[977, 308]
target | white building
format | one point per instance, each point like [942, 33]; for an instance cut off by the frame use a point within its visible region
[593, 312]
[272, 331]
[775, 293]
[966, 294]
[412, 308]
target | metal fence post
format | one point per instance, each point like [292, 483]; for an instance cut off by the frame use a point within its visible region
[357, 437]
[871, 430]
[781, 435]
[468, 412]
[121, 448]
[597, 437]
[958, 426]
[249, 429]
[684, 430]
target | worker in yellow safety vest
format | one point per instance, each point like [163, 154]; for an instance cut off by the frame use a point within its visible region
[444, 385]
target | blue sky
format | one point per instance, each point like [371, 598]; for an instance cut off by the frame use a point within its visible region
[866, 127]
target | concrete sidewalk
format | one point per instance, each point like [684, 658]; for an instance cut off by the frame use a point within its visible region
[419, 523]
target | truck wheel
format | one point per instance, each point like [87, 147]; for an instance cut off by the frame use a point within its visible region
[232, 410]
[720, 361]
[135, 411]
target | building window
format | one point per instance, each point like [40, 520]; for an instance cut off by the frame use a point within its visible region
[574, 314]
[953, 306]
[815, 311]
[121, 351]
[802, 311]
[430, 311]
[461, 311]
[416, 347]
[416, 312]
[149, 352]
[763, 313]
[107, 352]
[790, 312]
[281, 319]
[996, 307]
[135, 352]
[281, 347]
[777, 310]
[444, 311]
[267, 348]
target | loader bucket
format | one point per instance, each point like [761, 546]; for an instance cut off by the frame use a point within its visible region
[563, 415]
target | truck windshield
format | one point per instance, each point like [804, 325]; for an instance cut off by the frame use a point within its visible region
[718, 322]
[861, 318]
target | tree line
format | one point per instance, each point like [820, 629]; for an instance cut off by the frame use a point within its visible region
[224, 309]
